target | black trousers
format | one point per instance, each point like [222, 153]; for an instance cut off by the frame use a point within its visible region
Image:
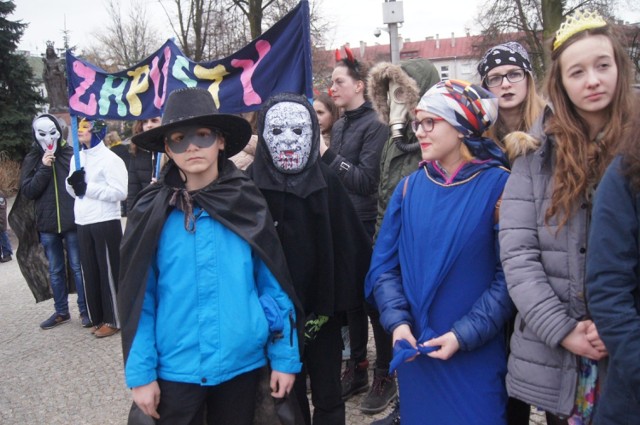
[359, 327]
[518, 412]
[231, 402]
[322, 360]
[359, 334]
[100, 257]
[554, 420]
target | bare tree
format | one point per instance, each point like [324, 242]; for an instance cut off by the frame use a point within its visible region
[254, 11]
[225, 26]
[530, 22]
[125, 41]
[229, 31]
[190, 23]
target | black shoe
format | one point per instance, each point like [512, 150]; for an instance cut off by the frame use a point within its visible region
[355, 378]
[382, 392]
[5, 258]
[55, 320]
[84, 319]
[392, 419]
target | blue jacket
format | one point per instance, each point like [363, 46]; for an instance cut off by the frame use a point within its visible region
[391, 269]
[202, 320]
[613, 293]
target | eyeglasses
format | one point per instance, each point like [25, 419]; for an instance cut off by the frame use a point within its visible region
[426, 124]
[513, 76]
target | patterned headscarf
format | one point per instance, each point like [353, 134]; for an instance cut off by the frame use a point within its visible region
[510, 53]
[470, 109]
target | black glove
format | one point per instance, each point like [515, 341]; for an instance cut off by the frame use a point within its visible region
[76, 180]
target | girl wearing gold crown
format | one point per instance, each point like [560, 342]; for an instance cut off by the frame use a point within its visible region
[556, 351]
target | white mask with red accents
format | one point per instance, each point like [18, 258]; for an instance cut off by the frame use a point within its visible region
[46, 133]
[288, 135]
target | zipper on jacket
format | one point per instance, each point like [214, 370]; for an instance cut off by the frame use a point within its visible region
[55, 190]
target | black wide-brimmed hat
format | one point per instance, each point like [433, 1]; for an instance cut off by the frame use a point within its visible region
[195, 106]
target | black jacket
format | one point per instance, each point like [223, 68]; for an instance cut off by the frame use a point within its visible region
[357, 140]
[46, 187]
[327, 249]
[140, 166]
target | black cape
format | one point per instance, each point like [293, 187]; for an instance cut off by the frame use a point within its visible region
[232, 199]
[327, 248]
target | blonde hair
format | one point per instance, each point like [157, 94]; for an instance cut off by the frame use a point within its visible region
[530, 110]
[112, 138]
[579, 163]
[466, 154]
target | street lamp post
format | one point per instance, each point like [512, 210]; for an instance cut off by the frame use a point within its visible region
[392, 15]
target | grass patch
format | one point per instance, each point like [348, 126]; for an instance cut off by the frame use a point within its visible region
[9, 175]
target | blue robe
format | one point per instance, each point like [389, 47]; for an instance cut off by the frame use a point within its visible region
[436, 267]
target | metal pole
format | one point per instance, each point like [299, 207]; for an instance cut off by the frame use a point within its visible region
[395, 46]
[394, 43]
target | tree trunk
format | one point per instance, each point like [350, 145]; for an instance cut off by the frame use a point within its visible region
[552, 16]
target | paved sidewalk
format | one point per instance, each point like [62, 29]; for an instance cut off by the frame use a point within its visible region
[65, 375]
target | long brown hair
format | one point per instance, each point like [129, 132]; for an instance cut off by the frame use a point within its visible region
[136, 129]
[530, 110]
[579, 163]
[328, 103]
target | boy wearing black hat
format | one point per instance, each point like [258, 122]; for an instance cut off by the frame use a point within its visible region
[205, 296]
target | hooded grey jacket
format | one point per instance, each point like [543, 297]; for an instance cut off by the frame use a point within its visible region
[545, 273]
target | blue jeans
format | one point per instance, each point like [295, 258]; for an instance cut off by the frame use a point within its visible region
[54, 250]
[5, 245]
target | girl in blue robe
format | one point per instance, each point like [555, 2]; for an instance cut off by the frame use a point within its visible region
[435, 273]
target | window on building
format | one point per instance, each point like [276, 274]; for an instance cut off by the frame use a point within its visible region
[409, 55]
[444, 72]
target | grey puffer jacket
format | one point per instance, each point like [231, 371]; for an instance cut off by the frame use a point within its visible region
[545, 273]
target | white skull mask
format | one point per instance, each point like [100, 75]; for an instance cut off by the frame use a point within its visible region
[288, 135]
[46, 133]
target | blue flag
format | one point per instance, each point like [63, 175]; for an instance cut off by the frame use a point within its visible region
[277, 61]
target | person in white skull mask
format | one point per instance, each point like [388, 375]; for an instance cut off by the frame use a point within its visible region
[287, 134]
[42, 180]
[47, 134]
[325, 244]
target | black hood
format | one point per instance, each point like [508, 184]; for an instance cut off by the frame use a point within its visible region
[264, 172]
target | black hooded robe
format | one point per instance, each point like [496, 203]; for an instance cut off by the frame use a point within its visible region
[326, 246]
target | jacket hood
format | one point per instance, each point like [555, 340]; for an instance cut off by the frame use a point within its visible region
[519, 143]
[416, 76]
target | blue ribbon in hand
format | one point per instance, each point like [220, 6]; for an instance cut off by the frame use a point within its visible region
[403, 351]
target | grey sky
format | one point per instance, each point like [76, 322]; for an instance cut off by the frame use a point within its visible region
[353, 20]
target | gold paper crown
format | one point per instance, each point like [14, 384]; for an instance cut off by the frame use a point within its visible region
[576, 23]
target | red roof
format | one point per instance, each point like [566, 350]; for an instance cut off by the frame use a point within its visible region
[443, 48]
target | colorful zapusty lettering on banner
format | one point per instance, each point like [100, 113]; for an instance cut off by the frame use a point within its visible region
[278, 61]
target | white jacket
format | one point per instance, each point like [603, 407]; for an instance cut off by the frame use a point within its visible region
[107, 180]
